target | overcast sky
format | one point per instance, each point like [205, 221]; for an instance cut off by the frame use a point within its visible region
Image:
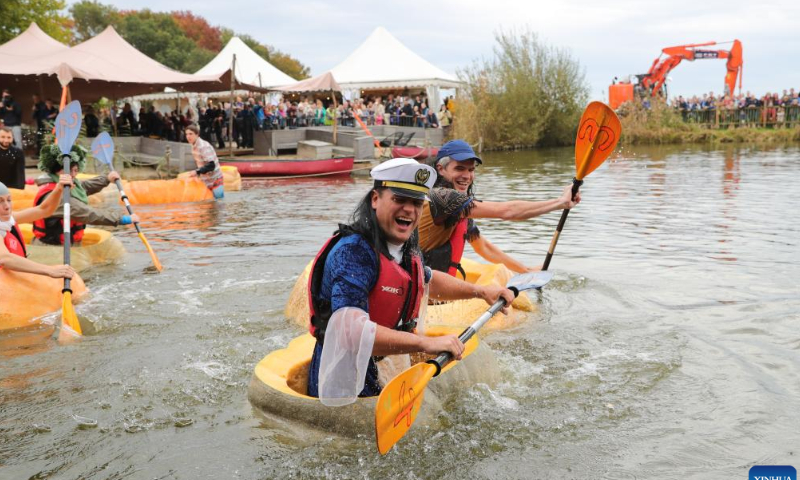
[611, 38]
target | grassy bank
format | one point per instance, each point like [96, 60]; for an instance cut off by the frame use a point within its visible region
[663, 125]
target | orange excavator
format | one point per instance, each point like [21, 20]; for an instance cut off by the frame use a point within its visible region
[653, 81]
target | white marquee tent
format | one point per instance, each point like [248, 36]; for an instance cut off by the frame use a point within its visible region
[250, 67]
[383, 62]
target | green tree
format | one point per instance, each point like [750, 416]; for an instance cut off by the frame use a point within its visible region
[90, 18]
[178, 39]
[528, 94]
[158, 36]
[17, 15]
[289, 65]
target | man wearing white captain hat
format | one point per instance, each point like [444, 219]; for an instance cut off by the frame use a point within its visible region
[368, 283]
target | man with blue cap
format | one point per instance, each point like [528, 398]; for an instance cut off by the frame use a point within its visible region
[368, 286]
[447, 222]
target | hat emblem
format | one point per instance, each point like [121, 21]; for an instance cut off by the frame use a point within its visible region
[422, 176]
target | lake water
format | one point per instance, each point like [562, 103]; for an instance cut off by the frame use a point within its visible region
[667, 346]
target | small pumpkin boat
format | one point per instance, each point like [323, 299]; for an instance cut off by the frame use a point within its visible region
[24, 297]
[22, 199]
[280, 380]
[179, 190]
[99, 247]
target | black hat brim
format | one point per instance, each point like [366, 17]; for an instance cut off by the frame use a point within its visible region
[408, 193]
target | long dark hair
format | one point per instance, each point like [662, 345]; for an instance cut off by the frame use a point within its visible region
[365, 223]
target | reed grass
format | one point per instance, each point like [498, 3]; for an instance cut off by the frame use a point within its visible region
[662, 124]
[528, 94]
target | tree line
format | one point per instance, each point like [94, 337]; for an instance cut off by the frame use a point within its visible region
[179, 39]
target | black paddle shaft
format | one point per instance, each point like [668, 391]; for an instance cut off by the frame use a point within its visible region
[67, 235]
[576, 185]
[127, 203]
[446, 357]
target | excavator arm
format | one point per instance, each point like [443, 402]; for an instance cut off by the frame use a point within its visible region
[657, 75]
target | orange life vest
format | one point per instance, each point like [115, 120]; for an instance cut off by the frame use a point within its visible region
[51, 230]
[447, 257]
[15, 243]
[394, 300]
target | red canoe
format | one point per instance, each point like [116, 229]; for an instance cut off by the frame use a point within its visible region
[417, 153]
[275, 167]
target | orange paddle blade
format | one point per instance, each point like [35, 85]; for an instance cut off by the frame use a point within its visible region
[68, 314]
[399, 404]
[598, 134]
[156, 263]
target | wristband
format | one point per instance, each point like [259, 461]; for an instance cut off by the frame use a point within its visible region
[125, 220]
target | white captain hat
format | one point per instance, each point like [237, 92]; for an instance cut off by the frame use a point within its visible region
[405, 176]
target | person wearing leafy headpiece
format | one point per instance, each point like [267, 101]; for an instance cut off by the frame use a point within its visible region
[50, 230]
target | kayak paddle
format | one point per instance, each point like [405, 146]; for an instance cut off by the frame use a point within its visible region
[598, 134]
[401, 399]
[68, 125]
[103, 150]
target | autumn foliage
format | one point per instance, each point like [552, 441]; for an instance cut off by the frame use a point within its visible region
[180, 39]
[198, 29]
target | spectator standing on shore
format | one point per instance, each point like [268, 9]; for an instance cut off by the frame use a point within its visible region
[430, 119]
[330, 115]
[445, 119]
[258, 111]
[11, 114]
[92, 122]
[248, 125]
[12, 161]
[407, 115]
[219, 124]
[126, 123]
[38, 114]
[380, 111]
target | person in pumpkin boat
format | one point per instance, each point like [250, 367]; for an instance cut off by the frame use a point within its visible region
[13, 254]
[50, 230]
[205, 157]
[447, 222]
[368, 286]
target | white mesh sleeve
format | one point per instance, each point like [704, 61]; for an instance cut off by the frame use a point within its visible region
[349, 339]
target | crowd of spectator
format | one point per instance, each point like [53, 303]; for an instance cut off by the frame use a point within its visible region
[214, 118]
[402, 111]
[711, 101]
[250, 115]
[149, 122]
[769, 109]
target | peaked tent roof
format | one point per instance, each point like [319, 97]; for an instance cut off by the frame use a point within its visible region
[249, 65]
[383, 62]
[103, 66]
[33, 42]
[320, 83]
[106, 57]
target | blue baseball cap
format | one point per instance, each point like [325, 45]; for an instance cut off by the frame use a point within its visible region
[458, 150]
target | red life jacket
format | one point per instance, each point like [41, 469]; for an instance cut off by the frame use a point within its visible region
[394, 300]
[51, 230]
[15, 243]
[447, 257]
